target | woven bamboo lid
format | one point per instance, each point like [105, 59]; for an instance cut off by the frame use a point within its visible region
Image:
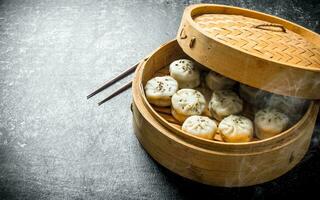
[257, 49]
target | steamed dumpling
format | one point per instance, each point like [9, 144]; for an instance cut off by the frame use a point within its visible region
[236, 129]
[187, 102]
[200, 126]
[159, 90]
[224, 103]
[269, 122]
[185, 72]
[216, 81]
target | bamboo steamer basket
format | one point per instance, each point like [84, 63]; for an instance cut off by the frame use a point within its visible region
[213, 162]
[253, 48]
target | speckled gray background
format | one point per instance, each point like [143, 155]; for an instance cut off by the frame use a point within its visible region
[54, 144]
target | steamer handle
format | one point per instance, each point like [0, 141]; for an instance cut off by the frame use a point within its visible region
[183, 34]
[265, 27]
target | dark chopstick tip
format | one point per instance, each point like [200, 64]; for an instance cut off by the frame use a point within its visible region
[90, 95]
[101, 102]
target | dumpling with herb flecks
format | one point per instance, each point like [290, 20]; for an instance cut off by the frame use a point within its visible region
[235, 128]
[270, 122]
[187, 102]
[159, 90]
[200, 126]
[185, 72]
[224, 103]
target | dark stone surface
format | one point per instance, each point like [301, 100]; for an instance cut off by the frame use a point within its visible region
[54, 144]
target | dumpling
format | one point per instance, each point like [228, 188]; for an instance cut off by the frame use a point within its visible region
[159, 90]
[216, 81]
[224, 103]
[200, 126]
[269, 122]
[187, 102]
[236, 129]
[185, 72]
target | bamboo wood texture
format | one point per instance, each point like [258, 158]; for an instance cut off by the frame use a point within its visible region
[254, 48]
[209, 161]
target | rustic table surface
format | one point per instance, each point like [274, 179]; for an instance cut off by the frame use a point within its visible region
[54, 144]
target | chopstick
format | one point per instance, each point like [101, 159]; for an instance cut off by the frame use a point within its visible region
[115, 93]
[112, 81]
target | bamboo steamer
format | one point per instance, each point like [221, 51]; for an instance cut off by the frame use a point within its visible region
[213, 162]
[254, 48]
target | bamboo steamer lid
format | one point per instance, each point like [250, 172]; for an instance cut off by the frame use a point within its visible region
[254, 48]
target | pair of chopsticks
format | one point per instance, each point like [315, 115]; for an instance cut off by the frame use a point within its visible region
[111, 82]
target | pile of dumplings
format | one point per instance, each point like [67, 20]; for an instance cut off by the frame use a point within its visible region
[190, 92]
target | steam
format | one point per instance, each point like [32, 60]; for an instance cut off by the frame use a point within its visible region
[293, 107]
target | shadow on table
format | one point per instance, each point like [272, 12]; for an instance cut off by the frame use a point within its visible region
[13, 180]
